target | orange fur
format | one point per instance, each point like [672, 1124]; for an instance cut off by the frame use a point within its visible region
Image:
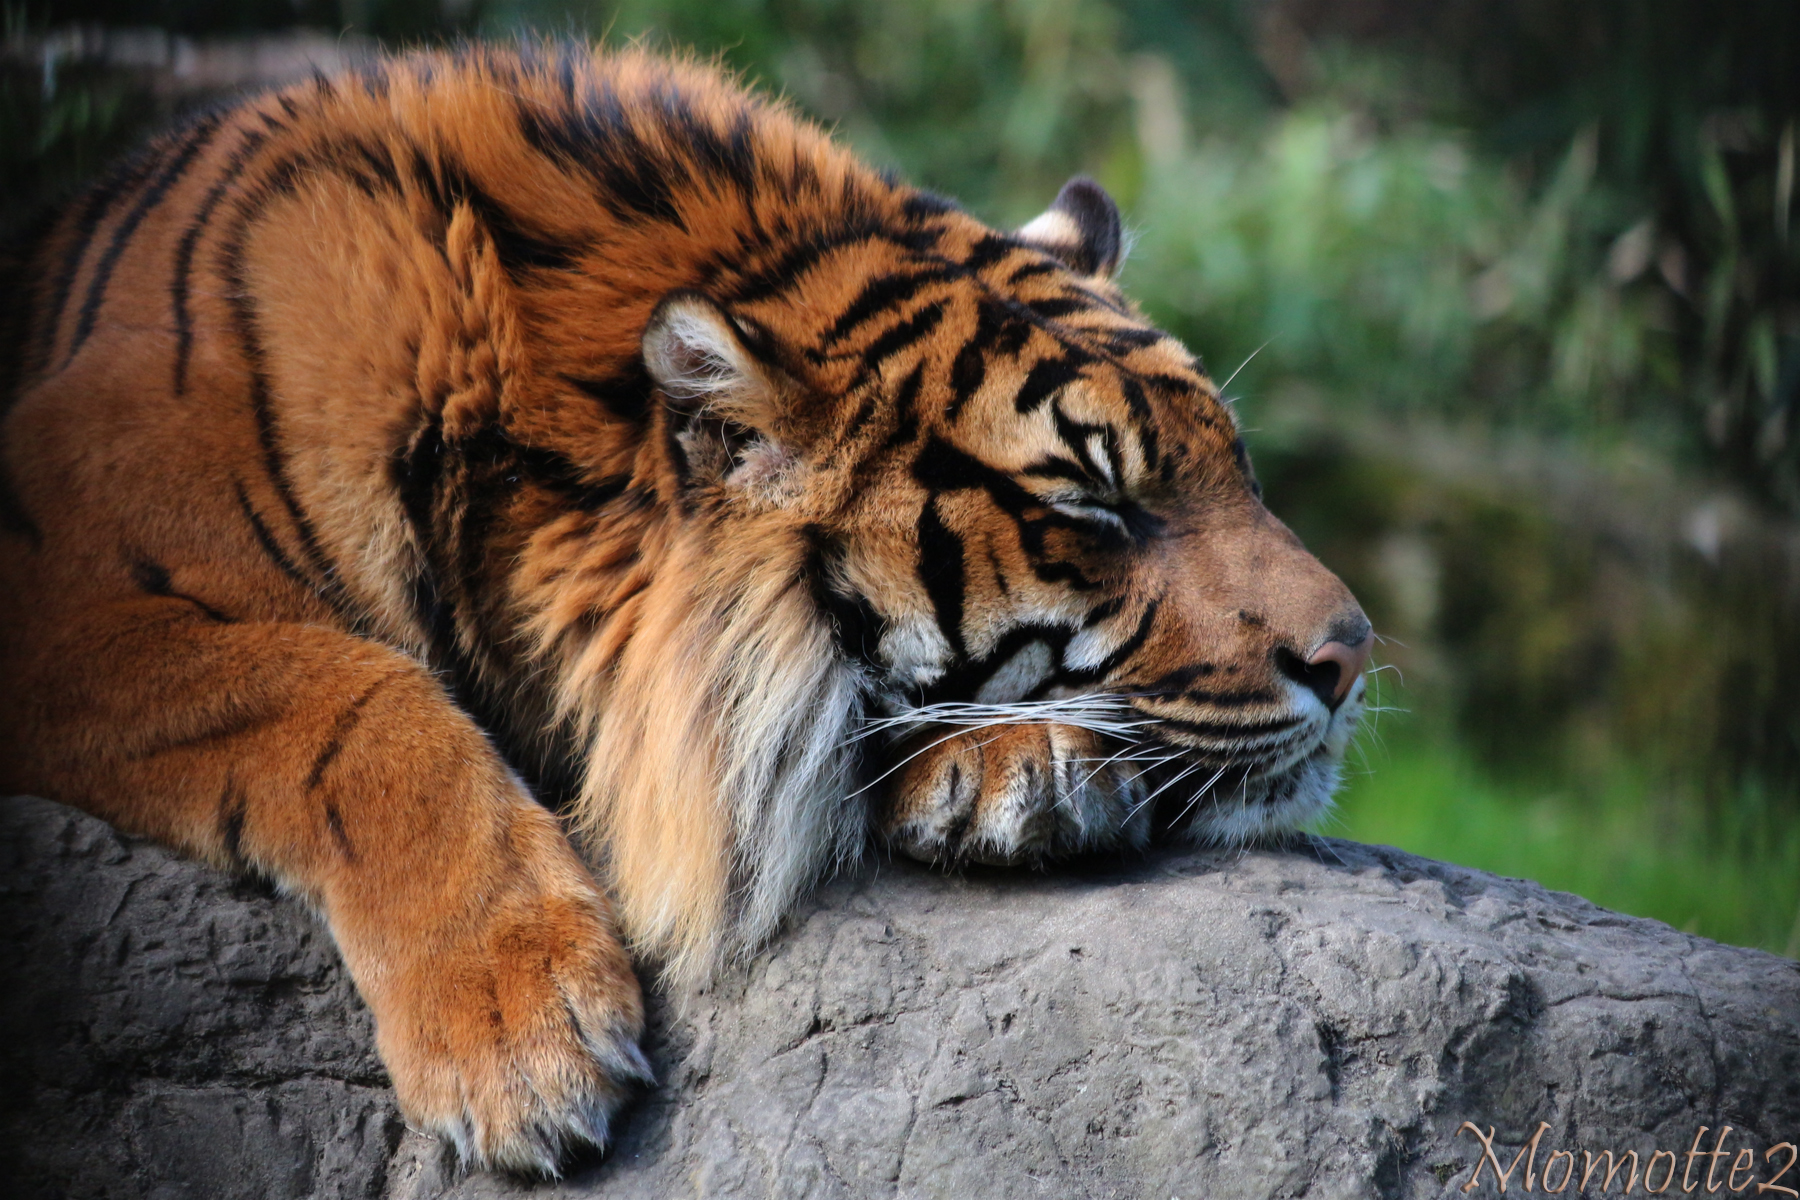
[582, 416]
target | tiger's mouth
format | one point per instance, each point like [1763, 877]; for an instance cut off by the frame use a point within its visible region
[1215, 781]
[1232, 783]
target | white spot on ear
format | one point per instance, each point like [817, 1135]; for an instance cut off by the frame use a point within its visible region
[695, 356]
[1052, 228]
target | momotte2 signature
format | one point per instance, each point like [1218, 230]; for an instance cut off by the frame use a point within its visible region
[1722, 1168]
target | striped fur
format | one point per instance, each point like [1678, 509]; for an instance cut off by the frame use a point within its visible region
[396, 448]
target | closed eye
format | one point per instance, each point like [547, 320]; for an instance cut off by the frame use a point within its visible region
[1111, 517]
[1090, 510]
[1092, 501]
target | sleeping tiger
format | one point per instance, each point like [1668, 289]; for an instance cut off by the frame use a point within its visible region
[396, 462]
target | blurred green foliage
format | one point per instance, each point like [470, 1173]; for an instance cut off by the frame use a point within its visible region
[1589, 238]
[1426, 239]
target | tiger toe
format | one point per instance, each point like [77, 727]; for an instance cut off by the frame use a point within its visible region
[1014, 794]
[515, 1035]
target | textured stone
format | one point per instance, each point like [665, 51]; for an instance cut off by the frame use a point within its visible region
[1315, 1022]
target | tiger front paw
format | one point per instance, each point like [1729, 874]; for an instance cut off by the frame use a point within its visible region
[1010, 794]
[512, 1028]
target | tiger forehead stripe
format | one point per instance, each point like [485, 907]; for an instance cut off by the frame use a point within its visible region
[879, 297]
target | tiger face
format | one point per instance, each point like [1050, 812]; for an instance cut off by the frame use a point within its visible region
[1029, 508]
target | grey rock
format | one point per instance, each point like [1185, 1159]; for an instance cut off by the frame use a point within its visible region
[1316, 1022]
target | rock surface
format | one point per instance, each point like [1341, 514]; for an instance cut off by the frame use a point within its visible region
[1315, 1022]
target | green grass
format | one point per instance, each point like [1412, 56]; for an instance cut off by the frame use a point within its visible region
[1611, 838]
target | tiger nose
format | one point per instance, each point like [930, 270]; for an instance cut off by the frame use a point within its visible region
[1333, 669]
[1349, 662]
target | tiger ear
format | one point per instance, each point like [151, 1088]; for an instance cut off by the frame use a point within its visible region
[1081, 227]
[702, 361]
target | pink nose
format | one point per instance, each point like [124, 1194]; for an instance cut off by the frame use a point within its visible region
[1349, 661]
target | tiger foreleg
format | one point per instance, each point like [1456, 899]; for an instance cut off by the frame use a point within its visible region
[1011, 794]
[506, 1009]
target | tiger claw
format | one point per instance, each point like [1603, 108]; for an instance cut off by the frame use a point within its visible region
[511, 1027]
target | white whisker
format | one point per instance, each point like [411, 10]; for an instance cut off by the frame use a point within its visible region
[1100, 712]
[1241, 366]
[955, 733]
[1199, 792]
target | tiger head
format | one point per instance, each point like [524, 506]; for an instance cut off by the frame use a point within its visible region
[1019, 499]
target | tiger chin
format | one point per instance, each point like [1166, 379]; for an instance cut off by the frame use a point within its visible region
[398, 461]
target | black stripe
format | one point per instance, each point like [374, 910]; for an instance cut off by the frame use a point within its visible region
[1171, 683]
[958, 829]
[789, 269]
[153, 578]
[729, 157]
[1104, 611]
[1217, 729]
[499, 461]
[1145, 418]
[1044, 379]
[520, 246]
[1133, 337]
[1040, 267]
[967, 374]
[335, 822]
[1054, 307]
[1225, 699]
[474, 510]
[942, 467]
[421, 476]
[994, 565]
[1173, 383]
[626, 396]
[233, 807]
[1075, 435]
[969, 371]
[1058, 468]
[1123, 650]
[634, 178]
[906, 415]
[1092, 299]
[184, 255]
[326, 583]
[452, 494]
[988, 249]
[93, 211]
[965, 678]
[941, 573]
[147, 199]
[267, 541]
[923, 205]
[380, 160]
[902, 335]
[334, 743]
[856, 627]
[878, 295]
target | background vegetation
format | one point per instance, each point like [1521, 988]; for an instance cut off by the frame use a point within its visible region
[1508, 291]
